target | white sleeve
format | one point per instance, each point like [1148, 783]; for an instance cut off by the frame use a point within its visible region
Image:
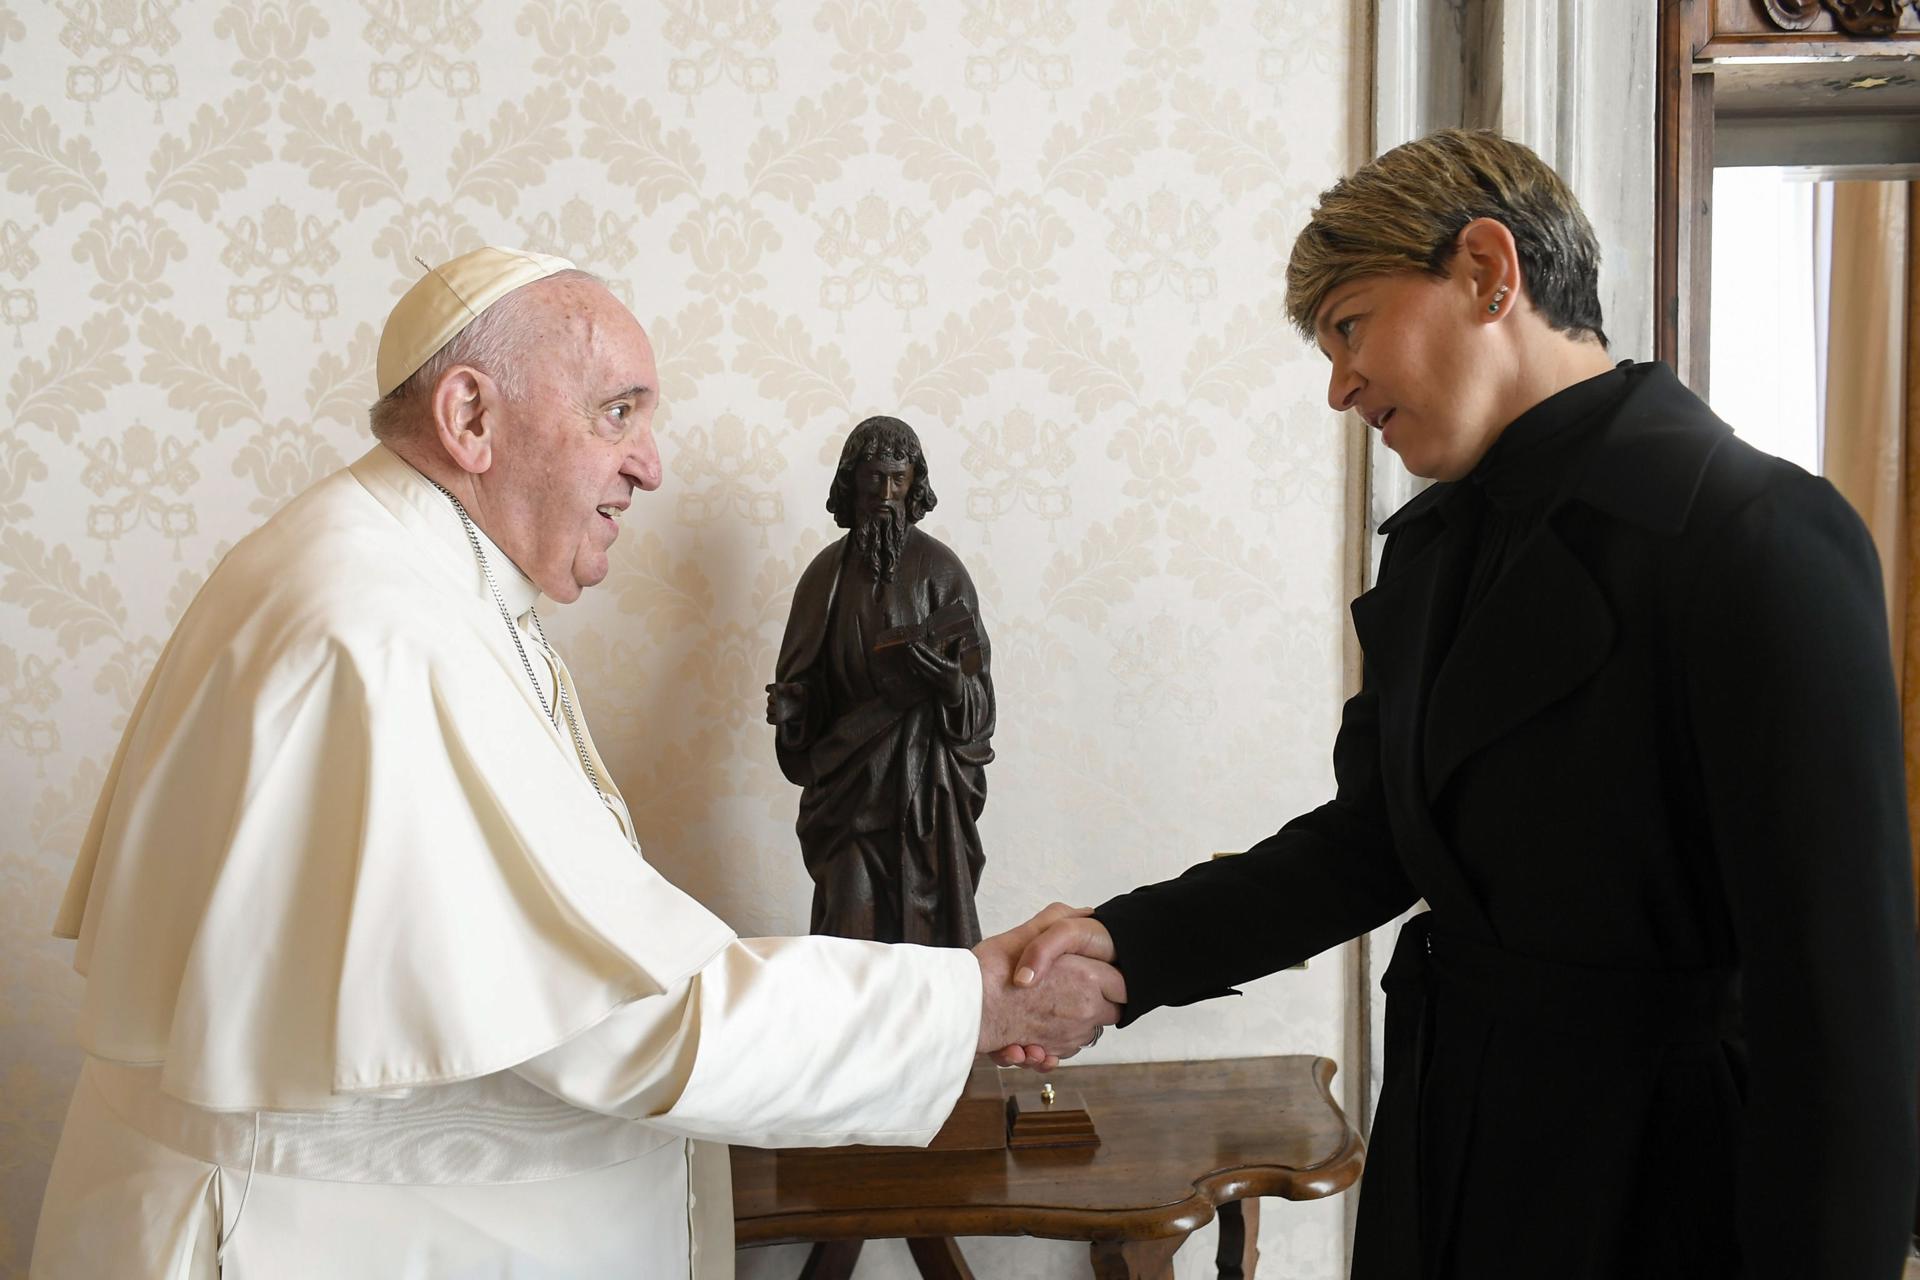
[785, 1042]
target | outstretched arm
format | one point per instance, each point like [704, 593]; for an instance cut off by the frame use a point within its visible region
[765, 1046]
[1326, 876]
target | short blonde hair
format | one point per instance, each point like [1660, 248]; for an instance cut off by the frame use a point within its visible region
[1403, 211]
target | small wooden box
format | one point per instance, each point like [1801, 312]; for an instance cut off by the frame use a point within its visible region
[1033, 1121]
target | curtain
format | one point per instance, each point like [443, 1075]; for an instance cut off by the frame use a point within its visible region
[1864, 429]
[1870, 432]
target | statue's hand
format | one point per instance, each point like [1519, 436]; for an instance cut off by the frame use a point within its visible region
[786, 702]
[940, 673]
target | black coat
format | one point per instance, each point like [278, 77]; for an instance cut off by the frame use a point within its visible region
[1660, 1020]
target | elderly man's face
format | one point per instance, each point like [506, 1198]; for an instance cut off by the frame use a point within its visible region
[577, 441]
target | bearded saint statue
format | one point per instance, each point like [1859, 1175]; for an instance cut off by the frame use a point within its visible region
[883, 708]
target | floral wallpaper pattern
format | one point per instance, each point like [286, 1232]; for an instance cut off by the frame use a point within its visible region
[1048, 234]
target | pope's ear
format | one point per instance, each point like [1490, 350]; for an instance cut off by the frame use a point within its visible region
[465, 411]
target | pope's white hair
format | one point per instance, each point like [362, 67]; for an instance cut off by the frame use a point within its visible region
[495, 343]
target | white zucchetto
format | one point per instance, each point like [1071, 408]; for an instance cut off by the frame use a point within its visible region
[447, 299]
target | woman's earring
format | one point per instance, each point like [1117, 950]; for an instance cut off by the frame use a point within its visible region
[1499, 296]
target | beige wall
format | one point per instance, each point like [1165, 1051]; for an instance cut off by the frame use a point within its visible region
[1046, 233]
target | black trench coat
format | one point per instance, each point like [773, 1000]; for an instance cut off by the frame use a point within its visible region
[1660, 1019]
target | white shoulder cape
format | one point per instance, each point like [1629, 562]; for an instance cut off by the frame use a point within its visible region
[340, 849]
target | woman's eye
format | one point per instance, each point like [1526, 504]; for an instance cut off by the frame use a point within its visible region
[1345, 329]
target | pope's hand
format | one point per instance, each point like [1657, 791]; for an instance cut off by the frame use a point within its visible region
[1035, 1017]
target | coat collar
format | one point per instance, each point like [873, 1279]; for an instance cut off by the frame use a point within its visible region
[1649, 464]
[1645, 469]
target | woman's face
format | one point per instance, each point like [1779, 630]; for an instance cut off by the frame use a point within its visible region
[1411, 355]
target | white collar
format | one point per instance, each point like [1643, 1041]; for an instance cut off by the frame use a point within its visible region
[416, 503]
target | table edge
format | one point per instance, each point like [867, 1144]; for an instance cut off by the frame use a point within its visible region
[1181, 1217]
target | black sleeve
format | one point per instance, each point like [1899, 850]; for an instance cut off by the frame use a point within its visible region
[1791, 696]
[1325, 877]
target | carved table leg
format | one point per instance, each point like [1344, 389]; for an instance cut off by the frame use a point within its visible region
[1239, 1249]
[832, 1260]
[1135, 1259]
[939, 1258]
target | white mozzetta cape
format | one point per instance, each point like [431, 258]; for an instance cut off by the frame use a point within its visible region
[340, 848]
[341, 855]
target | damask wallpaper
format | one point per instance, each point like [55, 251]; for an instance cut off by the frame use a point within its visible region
[1047, 233]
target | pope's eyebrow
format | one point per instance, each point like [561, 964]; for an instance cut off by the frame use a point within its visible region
[637, 391]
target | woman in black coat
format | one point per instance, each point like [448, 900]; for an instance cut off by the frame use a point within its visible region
[1628, 726]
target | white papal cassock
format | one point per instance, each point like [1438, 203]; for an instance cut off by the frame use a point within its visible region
[376, 985]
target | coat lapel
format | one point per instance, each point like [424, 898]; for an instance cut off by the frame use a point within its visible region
[1544, 627]
[1405, 623]
[1541, 631]
[1404, 626]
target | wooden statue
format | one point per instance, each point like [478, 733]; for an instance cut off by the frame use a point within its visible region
[882, 708]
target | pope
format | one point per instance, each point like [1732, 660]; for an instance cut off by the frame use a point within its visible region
[378, 981]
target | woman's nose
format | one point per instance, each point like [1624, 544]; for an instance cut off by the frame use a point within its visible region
[1342, 386]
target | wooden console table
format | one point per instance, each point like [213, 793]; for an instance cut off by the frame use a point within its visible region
[1178, 1140]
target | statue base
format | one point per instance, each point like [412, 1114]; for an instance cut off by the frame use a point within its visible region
[1045, 1117]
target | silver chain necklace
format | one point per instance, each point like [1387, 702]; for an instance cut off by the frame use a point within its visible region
[559, 684]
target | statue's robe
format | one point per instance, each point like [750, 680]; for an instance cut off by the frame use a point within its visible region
[892, 785]
[376, 985]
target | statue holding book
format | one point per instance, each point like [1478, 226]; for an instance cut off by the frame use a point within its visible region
[882, 708]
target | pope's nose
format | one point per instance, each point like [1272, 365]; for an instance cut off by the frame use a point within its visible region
[644, 467]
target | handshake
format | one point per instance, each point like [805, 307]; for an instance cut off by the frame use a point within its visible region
[1048, 987]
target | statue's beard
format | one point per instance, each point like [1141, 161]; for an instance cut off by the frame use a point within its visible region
[878, 538]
